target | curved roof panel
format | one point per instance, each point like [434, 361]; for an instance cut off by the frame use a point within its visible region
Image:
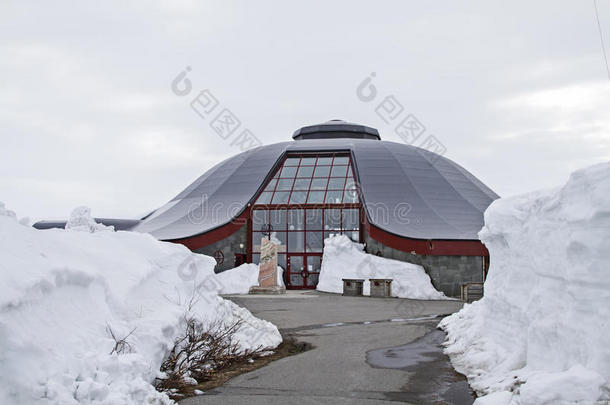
[406, 190]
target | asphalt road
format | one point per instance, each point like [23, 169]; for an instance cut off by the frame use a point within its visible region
[336, 371]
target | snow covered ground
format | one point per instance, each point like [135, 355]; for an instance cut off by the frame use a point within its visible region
[343, 258]
[63, 292]
[540, 334]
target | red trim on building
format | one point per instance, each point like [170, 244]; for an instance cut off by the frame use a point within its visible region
[215, 235]
[423, 247]
[432, 247]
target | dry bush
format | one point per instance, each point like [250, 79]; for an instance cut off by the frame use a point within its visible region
[121, 345]
[199, 353]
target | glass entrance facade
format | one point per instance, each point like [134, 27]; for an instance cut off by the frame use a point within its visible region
[311, 197]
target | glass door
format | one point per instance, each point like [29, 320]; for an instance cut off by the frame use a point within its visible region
[314, 264]
[303, 270]
[296, 271]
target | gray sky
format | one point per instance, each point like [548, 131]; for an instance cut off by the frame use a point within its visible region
[516, 91]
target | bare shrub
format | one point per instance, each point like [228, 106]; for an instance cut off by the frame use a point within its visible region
[121, 345]
[199, 353]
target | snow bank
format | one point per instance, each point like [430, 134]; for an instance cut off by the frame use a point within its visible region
[8, 213]
[343, 258]
[540, 334]
[81, 220]
[239, 279]
[63, 292]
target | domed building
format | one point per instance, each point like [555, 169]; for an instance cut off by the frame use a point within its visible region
[400, 201]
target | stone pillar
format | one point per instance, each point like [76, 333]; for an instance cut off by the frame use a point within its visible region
[267, 274]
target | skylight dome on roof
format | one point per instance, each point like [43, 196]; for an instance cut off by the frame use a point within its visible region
[336, 129]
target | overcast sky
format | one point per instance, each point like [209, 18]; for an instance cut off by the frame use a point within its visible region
[517, 91]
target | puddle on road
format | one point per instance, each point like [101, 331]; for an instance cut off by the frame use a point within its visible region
[419, 319]
[433, 380]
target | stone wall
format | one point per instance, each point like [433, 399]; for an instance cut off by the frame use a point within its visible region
[228, 246]
[448, 273]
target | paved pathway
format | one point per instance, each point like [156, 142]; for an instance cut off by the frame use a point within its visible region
[343, 330]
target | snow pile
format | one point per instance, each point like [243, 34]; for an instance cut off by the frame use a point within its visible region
[64, 294]
[8, 213]
[343, 258]
[540, 334]
[239, 279]
[81, 220]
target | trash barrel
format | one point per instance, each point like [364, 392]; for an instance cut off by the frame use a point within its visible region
[381, 287]
[352, 287]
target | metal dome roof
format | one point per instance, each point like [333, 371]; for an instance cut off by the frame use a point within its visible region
[405, 190]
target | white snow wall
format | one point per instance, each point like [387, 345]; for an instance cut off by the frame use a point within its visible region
[62, 291]
[540, 334]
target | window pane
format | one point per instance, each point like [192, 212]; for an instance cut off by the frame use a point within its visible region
[350, 196]
[313, 219]
[332, 219]
[256, 258]
[326, 160]
[331, 234]
[308, 161]
[341, 160]
[277, 219]
[281, 197]
[296, 241]
[288, 171]
[265, 198]
[336, 183]
[338, 171]
[319, 184]
[350, 183]
[281, 236]
[305, 171]
[301, 184]
[353, 235]
[349, 172]
[314, 263]
[333, 197]
[256, 241]
[292, 161]
[297, 264]
[350, 219]
[296, 280]
[314, 242]
[316, 197]
[298, 197]
[313, 279]
[296, 220]
[284, 184]
[259, 218]
[322, 171]
[277, 174]
[271, 185]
